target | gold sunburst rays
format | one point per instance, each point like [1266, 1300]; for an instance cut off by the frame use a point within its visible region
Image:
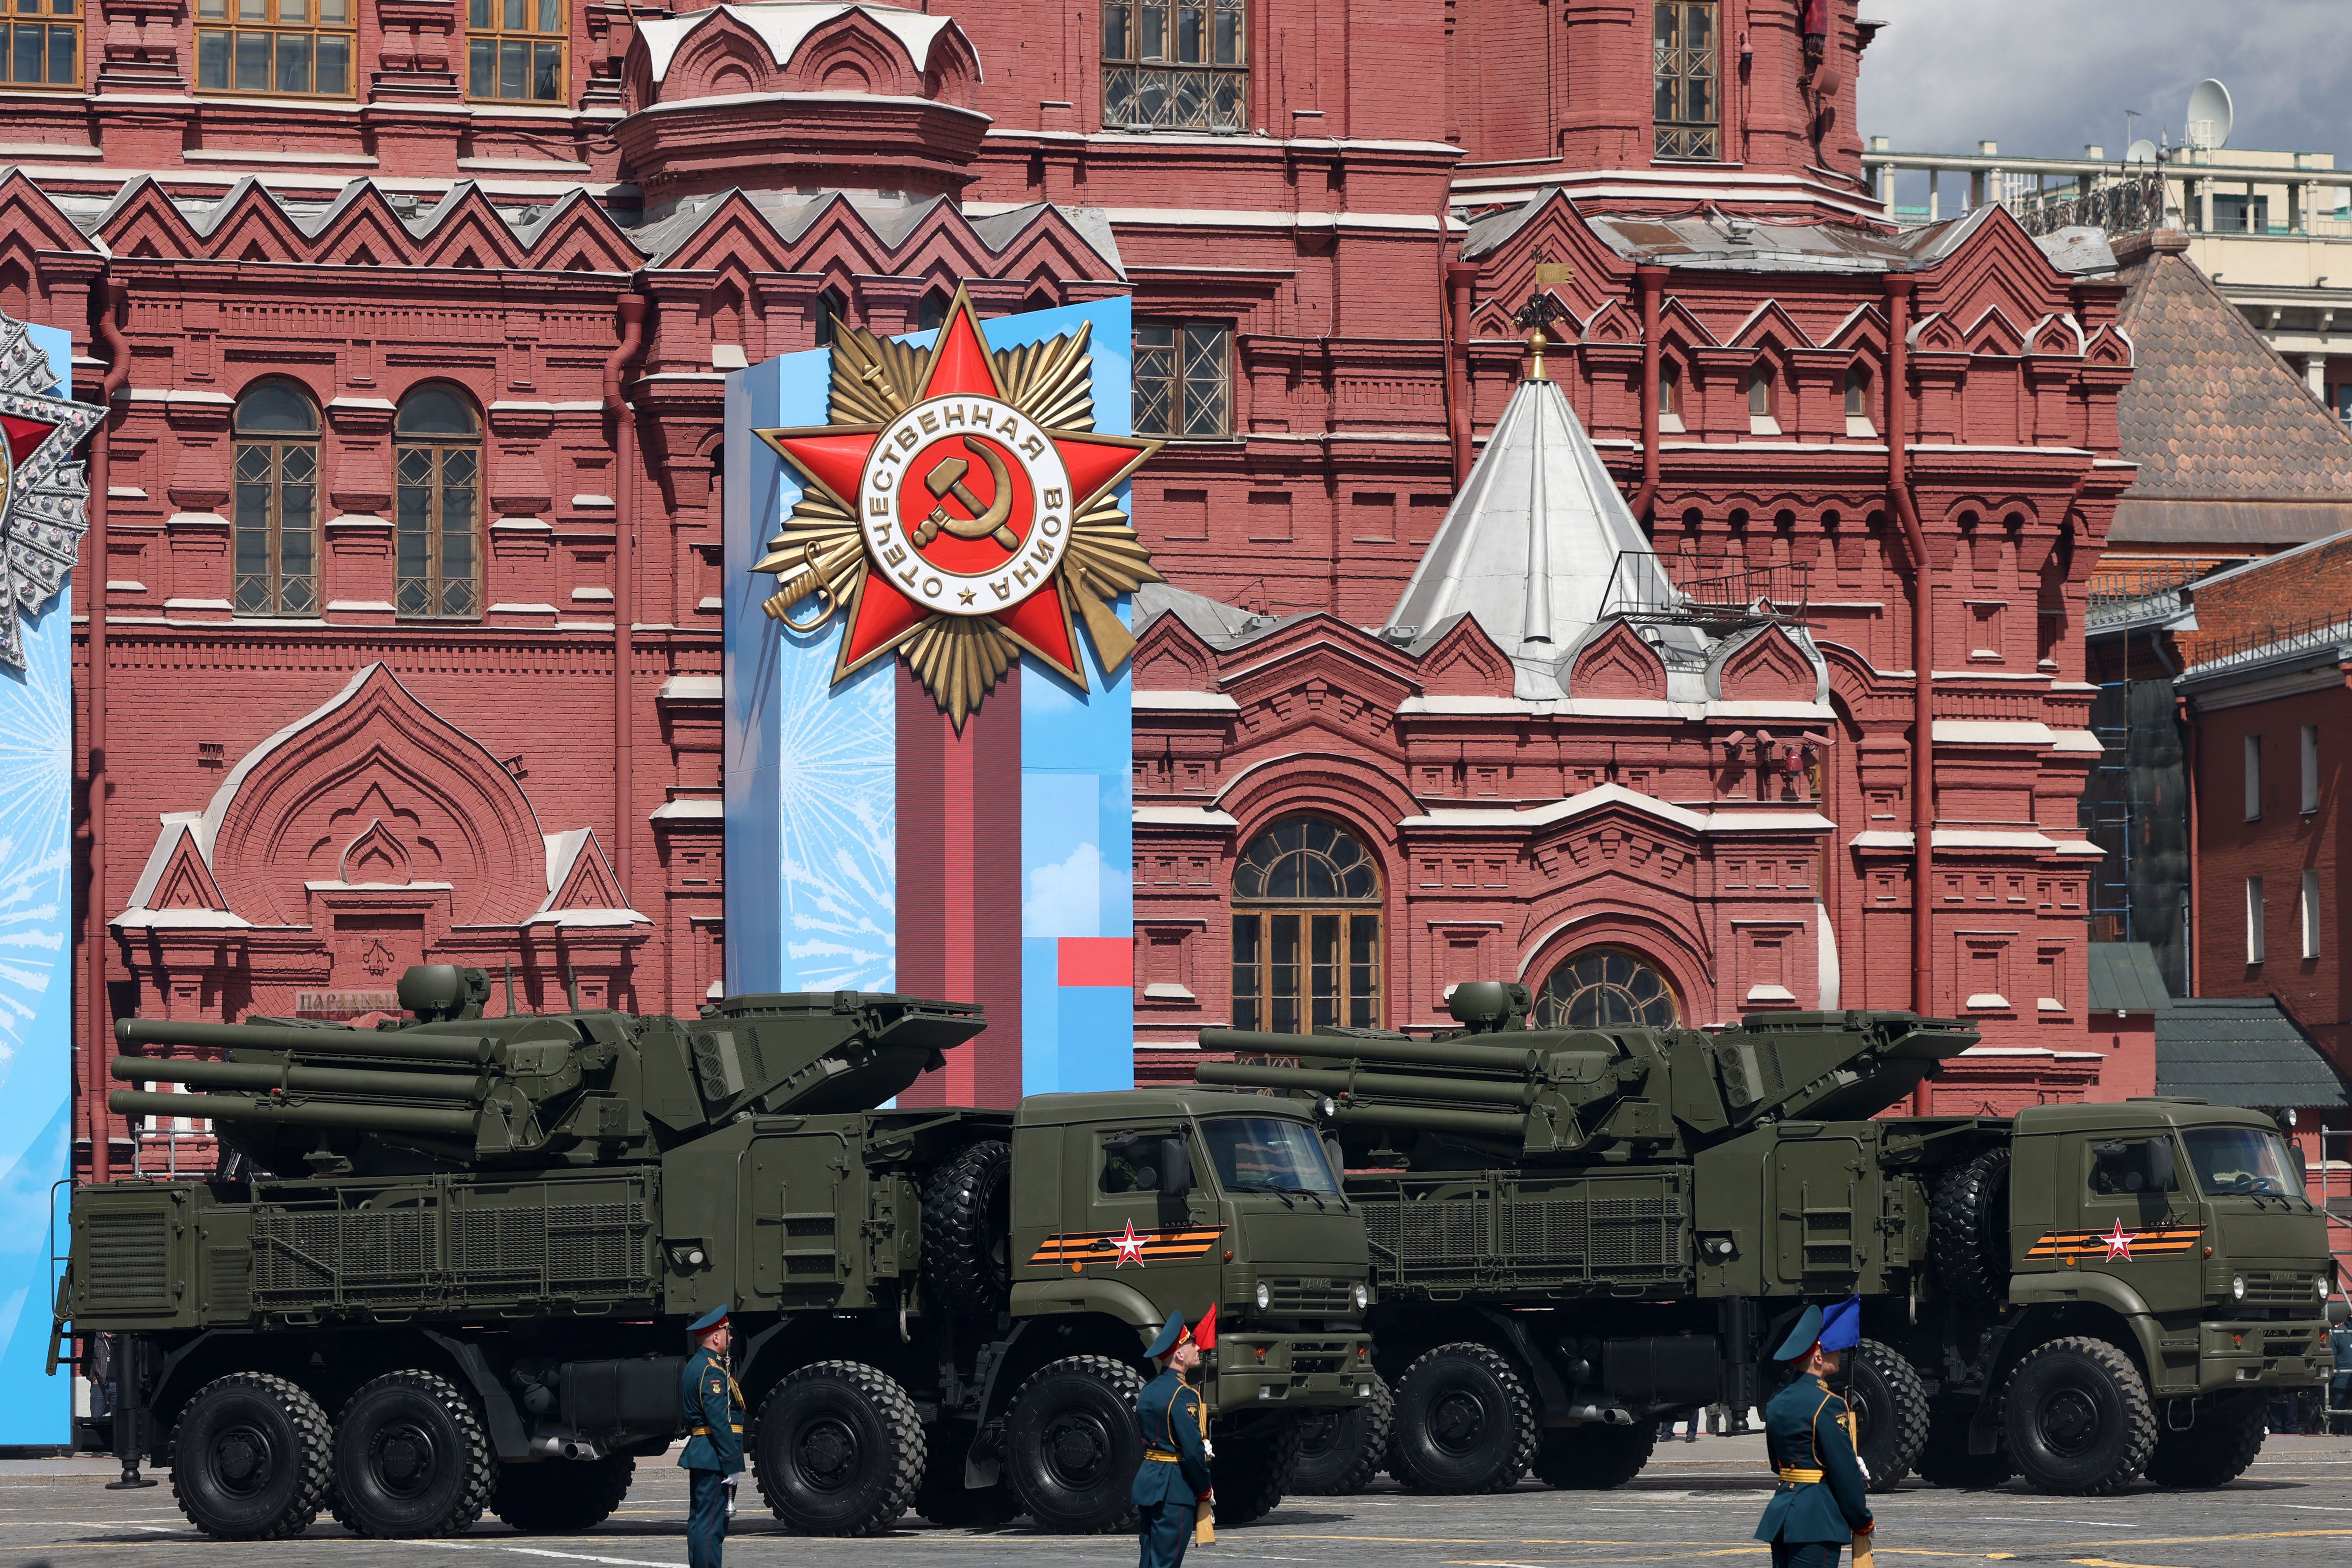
[1052, 381]
[957, 659]
[874, 379]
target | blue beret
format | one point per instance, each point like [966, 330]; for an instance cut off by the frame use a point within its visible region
[1842, 1325]
[1170, 1333]
[1802, 1336]
[708, 1321]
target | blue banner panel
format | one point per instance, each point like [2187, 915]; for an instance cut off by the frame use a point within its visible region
[36, 998]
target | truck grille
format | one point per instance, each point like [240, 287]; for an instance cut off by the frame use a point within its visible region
[2281, 1289]
[1312, 1298]
[1309, 1355]
[128, 1261]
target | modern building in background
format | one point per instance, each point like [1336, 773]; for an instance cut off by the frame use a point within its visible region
[414, 320]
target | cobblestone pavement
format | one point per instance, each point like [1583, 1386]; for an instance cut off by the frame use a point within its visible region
[1697, 1501]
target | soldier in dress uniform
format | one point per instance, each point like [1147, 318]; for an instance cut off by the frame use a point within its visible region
[714, 1445]
[1171, 1486]
[1822, 1502]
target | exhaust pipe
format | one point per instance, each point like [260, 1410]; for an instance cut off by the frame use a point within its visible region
[1607, 1415]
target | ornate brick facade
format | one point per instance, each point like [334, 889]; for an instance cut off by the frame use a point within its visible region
[1342, 203]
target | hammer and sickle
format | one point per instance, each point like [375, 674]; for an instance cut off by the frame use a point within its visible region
[946, 478]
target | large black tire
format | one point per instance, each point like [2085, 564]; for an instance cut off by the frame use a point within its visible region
[1946, 1461]
[1890, 1408]
[1593, 1457]
[943, 1499]
[561, 1497]
[1251, 1471]
[2215, 1451]
[1339, 1451]
[2077, 1417]
[251, 1459]
[839, 1450]
[968, 1231]
[1463, 1422]
[1072, 1446]
[412, 1459]
[1968, 1229]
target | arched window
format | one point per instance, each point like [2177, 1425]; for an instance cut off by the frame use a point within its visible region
[438, 466]
[1306, 929]
[277, 464]
[1604, 985]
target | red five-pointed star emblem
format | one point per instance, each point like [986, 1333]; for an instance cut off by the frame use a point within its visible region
[1130, 1246]
[965, 505]
[2119, 1243]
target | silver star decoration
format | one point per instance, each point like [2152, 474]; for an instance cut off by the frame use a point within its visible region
[44, 492]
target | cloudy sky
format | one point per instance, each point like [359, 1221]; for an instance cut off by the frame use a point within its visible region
[2044, 77]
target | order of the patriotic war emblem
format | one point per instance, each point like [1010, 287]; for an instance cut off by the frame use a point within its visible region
[44, 495]
[958, 511]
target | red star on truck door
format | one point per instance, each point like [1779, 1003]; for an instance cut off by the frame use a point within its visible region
[2118, 1243]
[965, 505]
[1130, 1246]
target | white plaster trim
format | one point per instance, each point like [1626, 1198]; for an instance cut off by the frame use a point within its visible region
[379, 606]
[1183, 817]
[1172, 701]
[1167, 991]
[374, 405]
[599, 595]
[1770, 994]
[257, 155]
[1991, 1001]
[125, 585]
[591, 501]
[2080, 740]
[198, 604]
[693, 689]
[783, 27]
[690, 808]
[1994, 732]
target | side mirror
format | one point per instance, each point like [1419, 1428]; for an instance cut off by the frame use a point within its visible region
[2161, 1176]
[1336, 1160]
[1175, 1167]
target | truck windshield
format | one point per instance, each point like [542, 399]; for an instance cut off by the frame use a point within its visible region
[1265, 1153]
[2240, 1160]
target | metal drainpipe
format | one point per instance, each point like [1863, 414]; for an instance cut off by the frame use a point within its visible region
[1923, 643]
[624, 599]
[1652, 281]
[100, 1031]
[1461, 285]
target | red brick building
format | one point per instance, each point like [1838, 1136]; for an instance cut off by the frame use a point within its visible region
[415, 319]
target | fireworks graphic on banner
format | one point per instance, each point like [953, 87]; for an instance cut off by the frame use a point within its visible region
[836, 778]
[35, 768]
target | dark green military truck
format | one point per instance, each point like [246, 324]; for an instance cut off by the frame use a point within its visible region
[450, 1267]
[1577, 1231]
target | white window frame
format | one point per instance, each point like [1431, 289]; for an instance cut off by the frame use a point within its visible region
[2310, 768]
[2253, 778]
[2253, 920]
[2308, 909]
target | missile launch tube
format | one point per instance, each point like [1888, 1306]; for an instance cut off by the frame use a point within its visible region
[1473, 1123]
[236, 1108]
[1434, 1054]
[301, 1080]
[1335, 1080]
[394, 1043]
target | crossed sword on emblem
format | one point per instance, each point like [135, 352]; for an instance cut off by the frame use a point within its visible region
[946, 478]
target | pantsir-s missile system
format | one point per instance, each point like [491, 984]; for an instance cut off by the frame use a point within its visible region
[1576, 1231]
[446, 1266]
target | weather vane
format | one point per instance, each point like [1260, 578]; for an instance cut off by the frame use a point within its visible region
[1540, 311]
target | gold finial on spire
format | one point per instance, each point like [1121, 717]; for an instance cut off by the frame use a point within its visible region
[1542, 310]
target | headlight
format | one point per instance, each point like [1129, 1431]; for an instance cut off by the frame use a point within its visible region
[1266, 1295]
[1364, 1296]
[2237, 1287]
[2320, 1285]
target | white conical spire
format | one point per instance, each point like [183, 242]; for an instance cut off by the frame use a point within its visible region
[1528, 546]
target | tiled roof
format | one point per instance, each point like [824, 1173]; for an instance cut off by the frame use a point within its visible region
[2124, 978]
[2240, 1051]
[2229, 441]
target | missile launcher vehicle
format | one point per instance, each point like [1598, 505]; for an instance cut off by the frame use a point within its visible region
[446, 1264]
[1576, 1231]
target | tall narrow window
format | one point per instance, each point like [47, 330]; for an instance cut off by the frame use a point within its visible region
[514, 50]
[831, 313]
[1175, 65]
[283, 48]
[1763, 401]
[437, 467]
[2253, 778]
[1686, 71]
[2310, 768]
[931, 311]
[1670, 398]
[277, 468]
[1857, 393]
[2307, 912]
[1182, 372]
[2253, 920]
[1306, 930]
[42, 41]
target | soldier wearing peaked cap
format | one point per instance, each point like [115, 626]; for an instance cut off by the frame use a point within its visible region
[1821, 1500]
[713, 1457]
[1171, 1486]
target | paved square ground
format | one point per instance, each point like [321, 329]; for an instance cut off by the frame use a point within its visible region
[1696, 1502]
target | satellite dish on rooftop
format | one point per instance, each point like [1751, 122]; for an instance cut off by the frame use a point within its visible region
[2140, 152]
[2209, 115]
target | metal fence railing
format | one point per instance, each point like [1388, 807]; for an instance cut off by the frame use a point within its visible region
[2256, 645]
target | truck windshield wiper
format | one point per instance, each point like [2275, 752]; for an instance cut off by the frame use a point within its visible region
[1304, 1192]
[1265, 1187]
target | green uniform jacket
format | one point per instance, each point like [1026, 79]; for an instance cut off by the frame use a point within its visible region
[1803, 1430]
[1169, 1413]
[714, 1415]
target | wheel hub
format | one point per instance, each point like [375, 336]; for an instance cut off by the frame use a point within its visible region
[828, 1454]
[1458, 1421]
[405, 1461]
[2070, 1422]
[241, 1458]
[1077, 1449]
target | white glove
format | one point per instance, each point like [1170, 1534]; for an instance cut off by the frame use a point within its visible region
[1208, 1450]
